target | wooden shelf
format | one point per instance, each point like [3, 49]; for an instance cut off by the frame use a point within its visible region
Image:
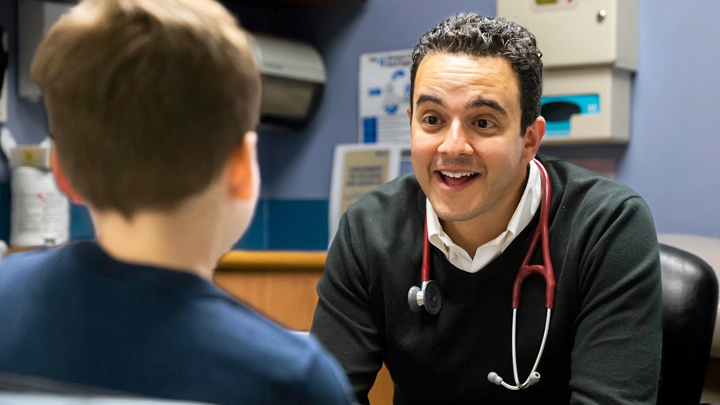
[269, 260]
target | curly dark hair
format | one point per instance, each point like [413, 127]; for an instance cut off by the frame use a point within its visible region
[477, 35]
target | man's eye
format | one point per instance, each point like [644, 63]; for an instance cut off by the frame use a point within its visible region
[431, 120]
[485, 124]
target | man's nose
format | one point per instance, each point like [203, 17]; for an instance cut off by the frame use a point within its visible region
[456, 141]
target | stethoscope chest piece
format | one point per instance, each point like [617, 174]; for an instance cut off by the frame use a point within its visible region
[428, 296]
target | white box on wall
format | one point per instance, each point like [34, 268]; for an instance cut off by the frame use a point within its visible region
[573, 33]
[589, 55]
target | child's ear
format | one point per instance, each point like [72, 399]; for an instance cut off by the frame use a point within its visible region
[62, 181]
[243, 167]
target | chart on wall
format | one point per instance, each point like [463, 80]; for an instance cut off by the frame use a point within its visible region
[357, 169]
[384, 96]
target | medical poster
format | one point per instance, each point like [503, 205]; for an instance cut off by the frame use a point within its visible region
[357, 169]
[384, 96]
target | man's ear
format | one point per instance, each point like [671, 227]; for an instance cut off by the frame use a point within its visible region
[531, 141]
[62, 181]
[242, 166]
[410, 113]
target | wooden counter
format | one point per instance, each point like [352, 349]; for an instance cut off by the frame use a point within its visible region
[280, 285]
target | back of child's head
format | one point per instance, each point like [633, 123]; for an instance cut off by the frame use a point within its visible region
[146, 99]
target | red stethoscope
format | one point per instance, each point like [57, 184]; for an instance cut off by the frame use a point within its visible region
[428, 295]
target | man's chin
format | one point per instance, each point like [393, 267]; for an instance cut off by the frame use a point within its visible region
[454, 214]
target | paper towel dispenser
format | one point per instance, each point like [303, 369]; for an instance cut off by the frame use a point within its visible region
[293, 72]
[293, 78]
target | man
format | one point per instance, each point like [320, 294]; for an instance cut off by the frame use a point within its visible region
[476, 88]
[152, 105]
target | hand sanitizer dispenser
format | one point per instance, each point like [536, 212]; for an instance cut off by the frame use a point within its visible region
[589, 54]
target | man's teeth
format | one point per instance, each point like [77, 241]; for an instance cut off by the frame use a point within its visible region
[457, 175]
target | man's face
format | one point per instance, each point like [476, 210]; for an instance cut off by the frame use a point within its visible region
[467, 152]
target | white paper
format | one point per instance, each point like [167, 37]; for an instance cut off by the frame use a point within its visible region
[40, 213]
[384, 96]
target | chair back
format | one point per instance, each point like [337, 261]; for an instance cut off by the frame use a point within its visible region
[690, 300]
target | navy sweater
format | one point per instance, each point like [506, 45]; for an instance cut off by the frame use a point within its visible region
[76, 315]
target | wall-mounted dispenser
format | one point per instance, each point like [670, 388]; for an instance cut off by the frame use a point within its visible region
[293, 73]
[589, 54]
[293, 78]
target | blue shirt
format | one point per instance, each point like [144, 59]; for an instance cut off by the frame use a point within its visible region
[77, 315]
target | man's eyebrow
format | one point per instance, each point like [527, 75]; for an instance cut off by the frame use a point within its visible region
[424, 98]
[483, 102]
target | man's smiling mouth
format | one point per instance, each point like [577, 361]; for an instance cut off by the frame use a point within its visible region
[456, 178]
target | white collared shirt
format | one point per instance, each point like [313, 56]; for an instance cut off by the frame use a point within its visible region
[529, 203]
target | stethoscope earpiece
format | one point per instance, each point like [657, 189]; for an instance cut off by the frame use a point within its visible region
[494, 378]
[428, 296]
[533, 379]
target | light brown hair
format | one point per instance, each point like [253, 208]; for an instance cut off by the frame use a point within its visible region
[146, 99]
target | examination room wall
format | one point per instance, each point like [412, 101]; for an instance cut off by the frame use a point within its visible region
[670, 159]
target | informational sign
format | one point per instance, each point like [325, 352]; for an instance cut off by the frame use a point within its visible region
[357, 169]
[384, 96]
[40, 213]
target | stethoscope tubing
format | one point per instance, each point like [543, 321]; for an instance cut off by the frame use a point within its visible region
[534, 376]
[545, 270]
[541, 232]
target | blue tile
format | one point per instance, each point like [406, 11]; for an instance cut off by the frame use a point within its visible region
[277, 225]
[297, 224]
[81, 226]
[255, 236]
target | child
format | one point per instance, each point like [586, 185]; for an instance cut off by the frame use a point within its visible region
[152, 106]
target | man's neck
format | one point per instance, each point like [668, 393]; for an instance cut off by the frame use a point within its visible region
[473, 233]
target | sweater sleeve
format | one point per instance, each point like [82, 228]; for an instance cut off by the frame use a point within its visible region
[343, 322]
[617, 346]
[324, 383]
